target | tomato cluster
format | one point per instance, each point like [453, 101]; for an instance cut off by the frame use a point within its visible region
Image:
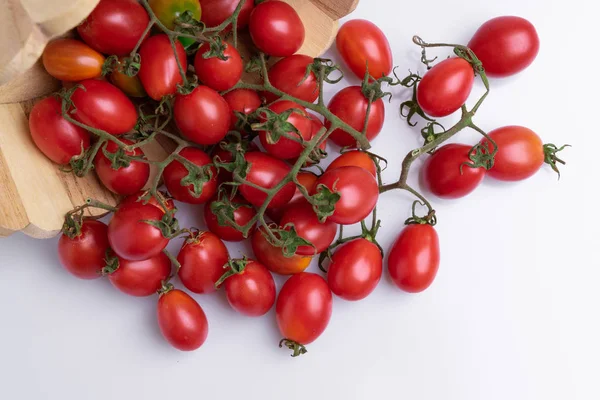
[242, 152]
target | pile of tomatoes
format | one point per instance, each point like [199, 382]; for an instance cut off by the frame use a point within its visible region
[216, 123]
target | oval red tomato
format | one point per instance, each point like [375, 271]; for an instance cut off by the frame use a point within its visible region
[505, 45]
[202, 258]
[445, 87]
[307, 225]
[276, 28]
[358, 192]
[83, 256]
[215, 12]
[355, 158]
[56, 137]
[242, 215]
[360, 42]
[251, 291]
[244, 101]
[303, 308]
[72, 60]
[281, 146]
[219, 74]
[272, 257]
[203, 116]
[159, 72]
[289, 76]
[355, 269]
[267, 172]
[124, 180]
[131, 237]
[445, 175]
[350, 105]
[115, 26]
[141, 278]
[181, 320]
[306, 179]
[414, 259]
[520, 153]
[102, 106]
[180, 183]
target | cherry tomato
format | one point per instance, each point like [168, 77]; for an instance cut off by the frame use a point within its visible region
[203, 116]
[303, 308]
[130, 85]
[83, 256]
[159, 72]
[520, 153]
[167, 11]
[215, 12]
[307, 225]
[276, 29]
[115, 26]
[306, 179]
[445, 87]
[355, 269]
[315, 156]
[272, 257]
[283, 147]
[242, 215]
[137, 199]
[131, 237]
[176, 177]
[358, 192]
[505, 45]
[414, 258]
[267, 172]
[289, 76]
[219, 74]
[141, 278]
[350, 105]
[202, 258]
[361, 42]
[56, 137]
[446, 175]
[181, 320]
[245, 101]
[354, 158]
[72, 60]
[124, 180]
[102, 106]
[251, 291]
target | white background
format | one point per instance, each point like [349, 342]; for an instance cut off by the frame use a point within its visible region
[513, 313]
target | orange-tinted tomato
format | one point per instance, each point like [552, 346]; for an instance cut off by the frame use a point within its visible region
[72, 60]
[272, 257]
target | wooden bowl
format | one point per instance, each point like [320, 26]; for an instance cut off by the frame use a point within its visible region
[34, 193]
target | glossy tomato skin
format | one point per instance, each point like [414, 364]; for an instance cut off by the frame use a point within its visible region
[350, 105]
[159, 72]
[442, 175]
[242, 215]
[360, 42]
[181, 320]
[202, 258]
[303, 307]
[272, 257]
[135, 199]
[167, 11]
[414, 259]
[141, 278]
[358, 191]
[124, 180]
[115, 26]
[245, 101]
[505, 45]
[133, 239]
[355, 269]
[306, 179]
[83, 256]
[307, 225]
[203, 116]
[215, 12]
[176, 171]
[251, 292]
[56, 137]
[267, 172]
[285, 148]
[288, 75]
[72, 60]
[520, 153]
[219, 74]
[354, 158]
[103, 106]
[276, 29]
[445, 87]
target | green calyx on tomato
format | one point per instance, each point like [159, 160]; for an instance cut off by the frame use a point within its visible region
[112, 263]
[119, 159]
[196, 178]
[297, 348]
[179, 15]
[224, 209]
[233, 267]
[277, 125]
[415, 219]
[288, 240]
[550, 157]
[324, 201]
